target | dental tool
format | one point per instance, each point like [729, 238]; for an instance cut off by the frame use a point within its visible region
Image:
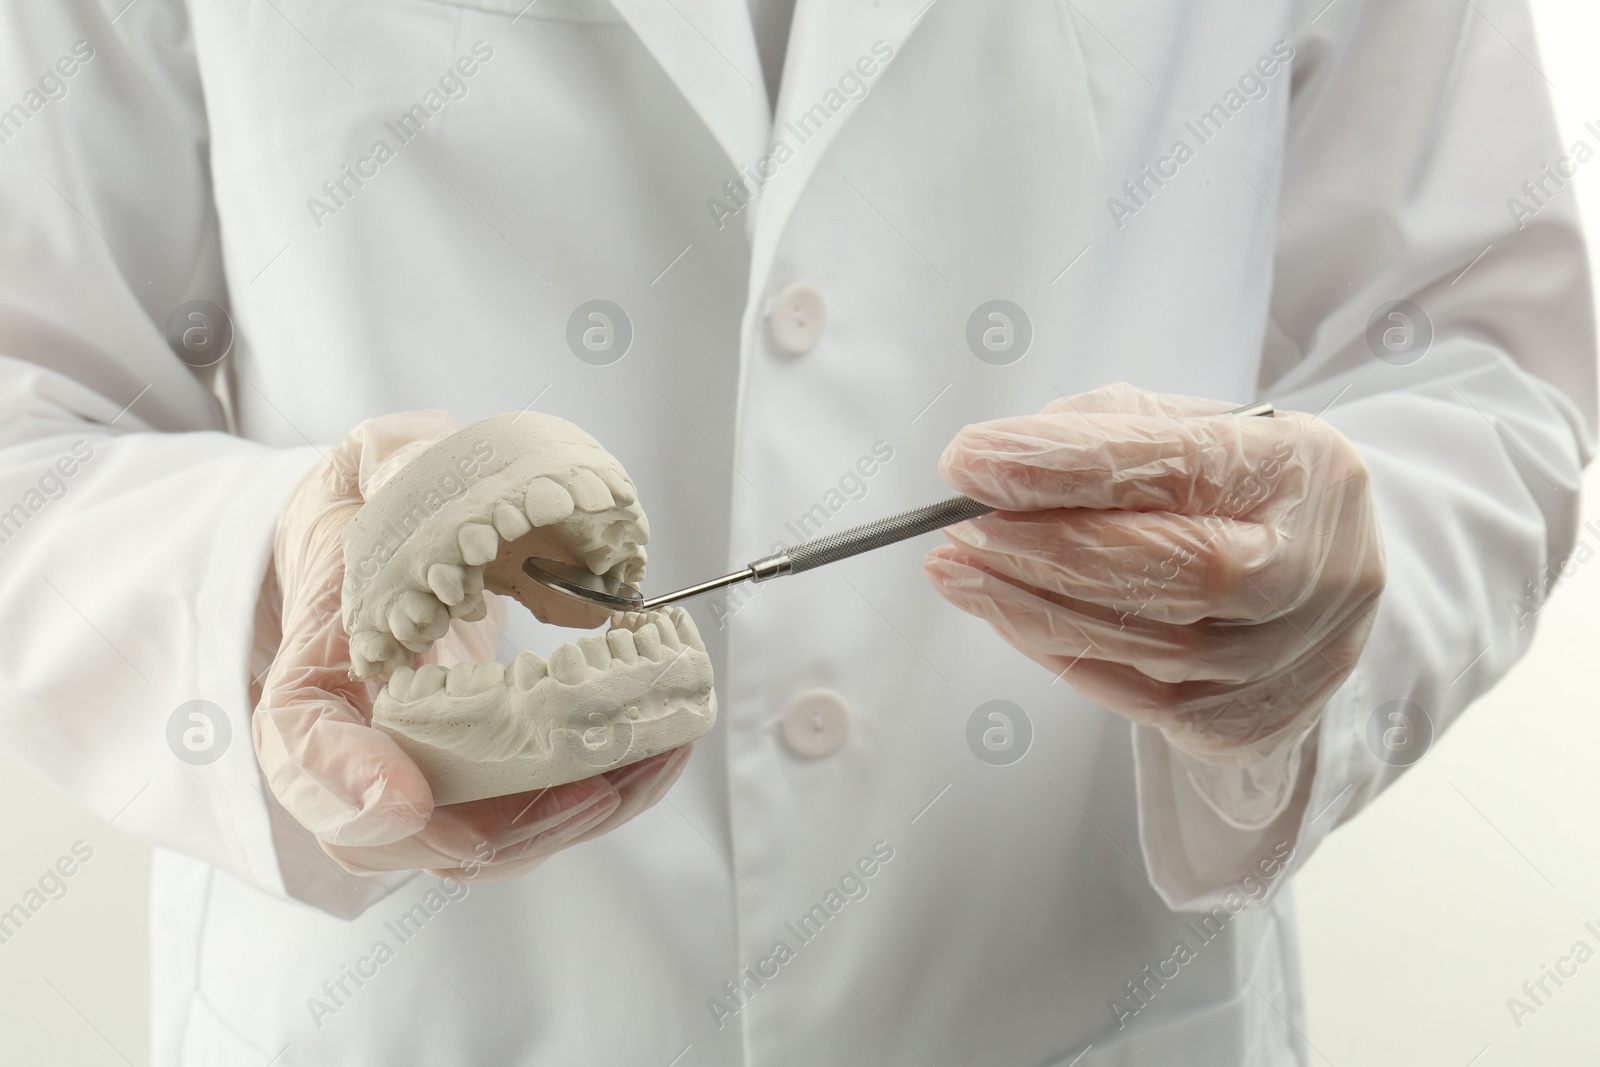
[611, 592]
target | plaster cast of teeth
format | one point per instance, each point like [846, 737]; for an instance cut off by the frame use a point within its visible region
[461, 518]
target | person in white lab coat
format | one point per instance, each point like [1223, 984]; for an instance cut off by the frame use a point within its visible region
[905, 841]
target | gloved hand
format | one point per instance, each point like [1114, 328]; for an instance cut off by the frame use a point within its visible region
[1214, 576]
[349, 784]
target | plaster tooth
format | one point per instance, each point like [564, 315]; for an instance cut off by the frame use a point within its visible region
[545, 502]
[686, 629]
[527, 671]
[418, 645]
[400, 683]
[471, 609]
[615, 535]
[472, 580]
[648, 640]
[458, 682]
[479, 543]
[588, 491]
[486, 676]
[622, 646]
[431, 617]
[400, 624]
[447, 582]
[639, 530]
[510, 522]
[419, 607]
[596, 651]
[363, 669]
[621, 488]
[374, 646]
[633, 570]
[406, 629]
[427, 680]
[666, 632]
[568, 666]
[625, 561]
[602, 558]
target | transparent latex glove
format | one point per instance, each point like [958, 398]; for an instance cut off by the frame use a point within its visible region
[349, 784]
[1214, 576]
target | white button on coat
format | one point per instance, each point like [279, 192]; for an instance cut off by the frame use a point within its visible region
[816, 723]
[799, 315]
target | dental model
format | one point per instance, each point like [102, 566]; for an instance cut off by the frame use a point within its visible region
[461, 518]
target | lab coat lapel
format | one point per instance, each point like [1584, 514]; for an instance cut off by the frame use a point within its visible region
[708, 49]
[826, 40]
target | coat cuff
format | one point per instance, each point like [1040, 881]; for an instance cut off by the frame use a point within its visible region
[1199, 857]
[237, 561]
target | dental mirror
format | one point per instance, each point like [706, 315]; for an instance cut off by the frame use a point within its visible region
[581, 583]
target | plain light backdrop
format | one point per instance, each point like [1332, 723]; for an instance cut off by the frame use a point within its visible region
[1418, 920]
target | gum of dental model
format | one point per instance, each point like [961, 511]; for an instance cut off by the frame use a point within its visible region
[460, 519]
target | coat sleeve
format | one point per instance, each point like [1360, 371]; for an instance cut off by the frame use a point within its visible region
[135, 532]
[1421, 164]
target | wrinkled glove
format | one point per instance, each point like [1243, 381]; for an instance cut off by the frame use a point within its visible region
[1214, 576]
[366, 802]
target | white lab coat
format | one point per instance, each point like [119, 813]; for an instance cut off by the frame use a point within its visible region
[1022, 903]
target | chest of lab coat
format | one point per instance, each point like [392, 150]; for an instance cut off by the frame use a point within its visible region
[415, 198]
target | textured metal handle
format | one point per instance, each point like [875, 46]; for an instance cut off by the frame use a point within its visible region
[871, 535]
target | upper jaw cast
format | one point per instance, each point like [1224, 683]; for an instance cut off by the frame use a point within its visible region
[462, 517]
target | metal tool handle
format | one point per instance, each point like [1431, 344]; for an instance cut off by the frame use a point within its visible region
[867, 536]
[847, 543]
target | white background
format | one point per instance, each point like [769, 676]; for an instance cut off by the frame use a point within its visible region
[1418, 920]
[1423, 915]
